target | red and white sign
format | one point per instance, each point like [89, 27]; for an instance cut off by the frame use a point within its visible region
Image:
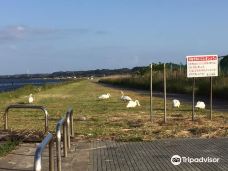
[202, 66]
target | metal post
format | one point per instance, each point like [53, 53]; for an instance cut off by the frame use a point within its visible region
[51, 156]
[151, 94]
[46, 120]
[72, 123]
[211, 97]
[164, 94]
[58, 152]
[25, 106]
[6, 120]
[39, 150]
[65, 139]
[68, 131]
[59, 125]
[193, 98]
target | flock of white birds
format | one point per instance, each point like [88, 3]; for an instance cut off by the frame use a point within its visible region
[131, 103]
[199, 104]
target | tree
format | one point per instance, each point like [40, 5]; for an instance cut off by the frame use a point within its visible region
[224, 64]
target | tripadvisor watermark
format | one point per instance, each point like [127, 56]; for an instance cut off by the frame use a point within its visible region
[176, 160]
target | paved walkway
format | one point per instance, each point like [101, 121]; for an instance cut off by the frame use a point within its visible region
[22, 158]
[156, 155]
[122, 156]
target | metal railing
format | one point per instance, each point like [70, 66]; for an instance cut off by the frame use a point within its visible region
[39, 150]
[67, 124]
[70, 112]
[25, 106]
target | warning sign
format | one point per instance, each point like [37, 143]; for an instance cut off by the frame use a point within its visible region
[202, 66]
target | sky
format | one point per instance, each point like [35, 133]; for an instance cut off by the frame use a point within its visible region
[55, 35]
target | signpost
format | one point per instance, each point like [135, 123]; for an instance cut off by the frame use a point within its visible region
[202, 66]
[151, 91]
[164, 76]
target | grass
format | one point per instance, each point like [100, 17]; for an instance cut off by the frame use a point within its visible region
[24, 123]
[7, 146]
[110, 119]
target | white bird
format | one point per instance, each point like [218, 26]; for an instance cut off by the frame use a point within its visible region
[125, 98]
[176, 103]
[200, 105]
[133, 103]
[30, 99]
[104, 96]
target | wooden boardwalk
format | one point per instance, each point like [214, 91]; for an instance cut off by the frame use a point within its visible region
[156, 155]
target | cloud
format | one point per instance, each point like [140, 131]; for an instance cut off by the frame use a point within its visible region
[21, 32]
[12, 33]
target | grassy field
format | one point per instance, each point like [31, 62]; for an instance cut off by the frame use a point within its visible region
[110, 119]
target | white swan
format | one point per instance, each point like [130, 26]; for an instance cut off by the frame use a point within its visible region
[200, 105]
[176, 103]
[125, 98]
[30, 99]
[133, 103]
[104, 96]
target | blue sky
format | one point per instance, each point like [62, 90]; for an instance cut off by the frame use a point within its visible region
[46, 36]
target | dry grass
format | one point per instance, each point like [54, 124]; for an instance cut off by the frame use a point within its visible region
[110, 119]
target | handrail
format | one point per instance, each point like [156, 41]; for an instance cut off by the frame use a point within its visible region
[25, 106]
[58, 142]
[67, 124]
[38, 154]
[70, 112]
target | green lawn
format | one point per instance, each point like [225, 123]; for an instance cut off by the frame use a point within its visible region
[7, 146]
[110, 119]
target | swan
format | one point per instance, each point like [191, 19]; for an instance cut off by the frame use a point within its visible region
[200, 105]
[176, 103]
[104, 96]
[132, 103]
[30, 99]
[125, 98]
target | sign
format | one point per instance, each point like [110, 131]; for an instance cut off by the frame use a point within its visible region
[202, 66]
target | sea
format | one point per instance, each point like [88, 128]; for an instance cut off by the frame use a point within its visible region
[13, 84]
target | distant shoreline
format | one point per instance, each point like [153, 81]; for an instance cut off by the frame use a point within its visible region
[13, 84]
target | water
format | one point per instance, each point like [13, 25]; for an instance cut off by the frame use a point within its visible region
[12, 84]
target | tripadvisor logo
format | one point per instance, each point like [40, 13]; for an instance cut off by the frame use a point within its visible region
[176, 160]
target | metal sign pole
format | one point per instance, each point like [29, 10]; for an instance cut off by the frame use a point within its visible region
[164, 94]
[151, 95]
[211, 98]
[193, 98]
